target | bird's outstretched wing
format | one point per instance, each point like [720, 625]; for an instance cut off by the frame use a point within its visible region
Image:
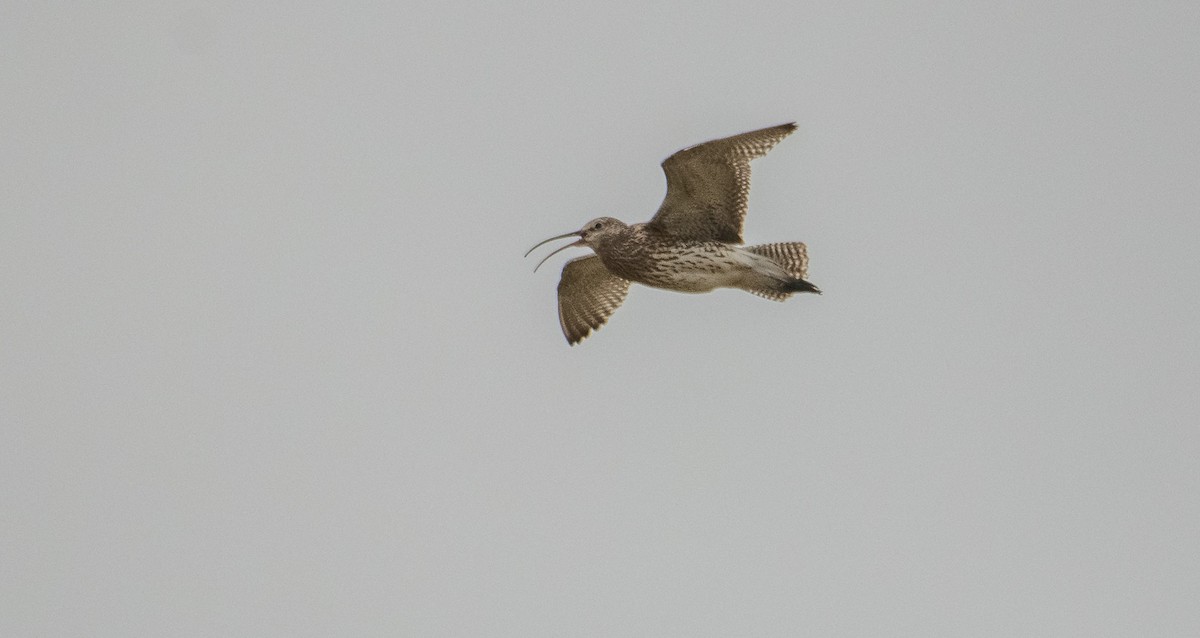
[587, 295]
[708, 186]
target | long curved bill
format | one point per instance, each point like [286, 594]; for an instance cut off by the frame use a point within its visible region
[545, 241]
[557, 250]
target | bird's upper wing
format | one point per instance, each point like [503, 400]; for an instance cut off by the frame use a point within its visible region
[587, 295]
[708, 186]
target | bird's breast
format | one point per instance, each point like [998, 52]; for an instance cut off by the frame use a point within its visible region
[681, 266]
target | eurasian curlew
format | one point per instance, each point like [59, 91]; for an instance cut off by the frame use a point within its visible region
[692, 244]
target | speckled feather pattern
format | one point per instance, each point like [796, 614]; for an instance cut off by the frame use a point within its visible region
[648, 258]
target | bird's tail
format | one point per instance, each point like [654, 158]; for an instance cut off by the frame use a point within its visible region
[792, 257]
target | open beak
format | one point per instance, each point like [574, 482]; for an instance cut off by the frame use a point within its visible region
[580, 242]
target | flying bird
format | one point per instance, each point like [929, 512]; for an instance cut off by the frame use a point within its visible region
[692, 244]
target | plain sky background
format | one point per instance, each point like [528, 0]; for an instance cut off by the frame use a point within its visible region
[272, 364]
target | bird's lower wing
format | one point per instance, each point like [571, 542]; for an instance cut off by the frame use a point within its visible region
[587, 295]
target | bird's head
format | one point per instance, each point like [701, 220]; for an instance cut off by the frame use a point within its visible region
[592, 235]
[599, 229]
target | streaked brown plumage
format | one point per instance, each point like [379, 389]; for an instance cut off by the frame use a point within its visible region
[692, 244]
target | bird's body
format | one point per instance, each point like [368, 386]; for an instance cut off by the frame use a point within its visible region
[693, 244]
[688, 265]
[685, 266]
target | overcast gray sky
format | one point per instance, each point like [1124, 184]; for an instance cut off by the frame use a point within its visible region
[271, 362]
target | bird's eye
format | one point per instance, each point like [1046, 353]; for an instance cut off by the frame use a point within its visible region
[596, 226]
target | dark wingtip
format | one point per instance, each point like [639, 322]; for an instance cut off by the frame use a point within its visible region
[800, 285]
